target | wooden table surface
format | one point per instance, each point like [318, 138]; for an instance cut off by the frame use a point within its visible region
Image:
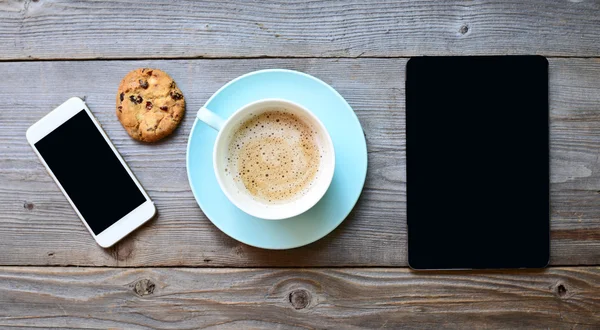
[180, 271]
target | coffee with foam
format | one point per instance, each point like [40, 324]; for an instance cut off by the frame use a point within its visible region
[275, 156]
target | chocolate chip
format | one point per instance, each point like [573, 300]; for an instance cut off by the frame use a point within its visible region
[148, 105]
[149, 73]
[120, 108]
[143, 84]
[176, 96]
[172, 85]
[122, 96]
[136, 100]
[164, 108]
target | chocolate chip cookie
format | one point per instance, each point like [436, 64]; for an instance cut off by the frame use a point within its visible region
[149, 104]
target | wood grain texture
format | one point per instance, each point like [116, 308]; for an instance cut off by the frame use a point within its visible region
[61, 29]
[100, 298]
[38, 227]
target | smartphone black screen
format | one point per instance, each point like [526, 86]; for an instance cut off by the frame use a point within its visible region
[90, 172]
[477, 155]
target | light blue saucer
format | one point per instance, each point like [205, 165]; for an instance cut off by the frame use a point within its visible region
[350, 162]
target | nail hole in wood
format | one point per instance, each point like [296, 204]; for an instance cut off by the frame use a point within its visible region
[464, 29]
[144, 287]
[28, 206]
[299, 299]
[561, 290]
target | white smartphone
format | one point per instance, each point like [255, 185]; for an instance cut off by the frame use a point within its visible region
[90, 172]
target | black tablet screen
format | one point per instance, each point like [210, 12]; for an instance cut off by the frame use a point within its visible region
[477, 155]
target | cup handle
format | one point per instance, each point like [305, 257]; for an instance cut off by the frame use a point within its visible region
[210, 118]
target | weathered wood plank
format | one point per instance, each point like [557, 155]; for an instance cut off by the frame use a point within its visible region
[60, 29]
[38, 227]
[557, 298]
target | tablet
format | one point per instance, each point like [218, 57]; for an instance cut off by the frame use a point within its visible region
[477, 162]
